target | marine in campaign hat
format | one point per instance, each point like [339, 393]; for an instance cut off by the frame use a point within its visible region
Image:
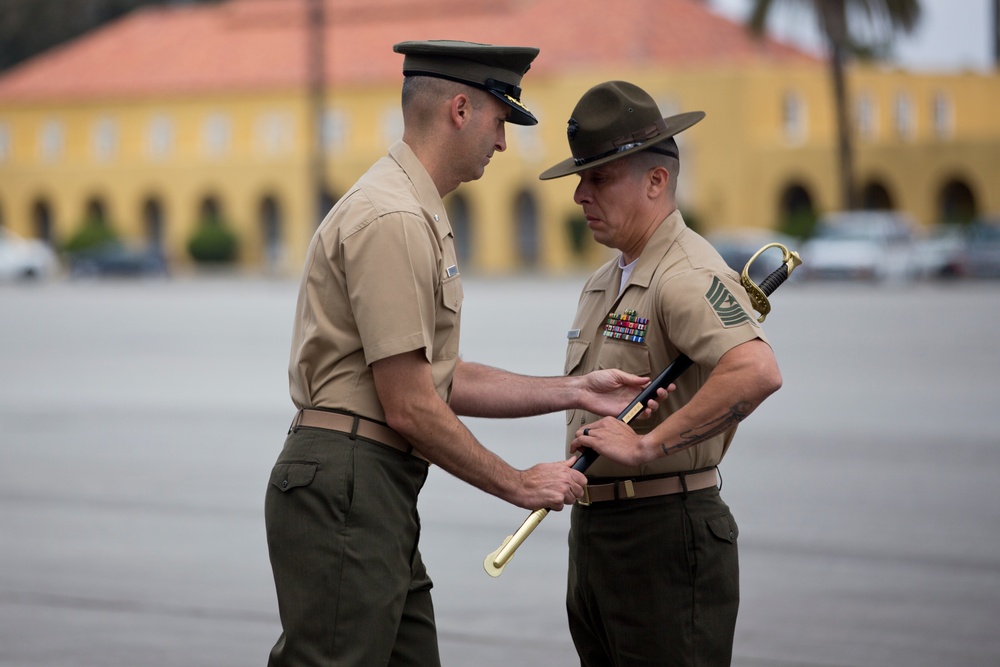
[615, 119]
[496, 69]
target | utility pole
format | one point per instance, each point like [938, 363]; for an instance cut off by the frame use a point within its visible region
[316, 28]
[996, 34]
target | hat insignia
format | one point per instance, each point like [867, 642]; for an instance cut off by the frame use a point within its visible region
[572, 128]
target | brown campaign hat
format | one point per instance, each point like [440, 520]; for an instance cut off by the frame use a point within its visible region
[612, 120]
[497, 69]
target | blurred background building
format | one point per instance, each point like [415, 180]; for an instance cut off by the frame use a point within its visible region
[224, 131]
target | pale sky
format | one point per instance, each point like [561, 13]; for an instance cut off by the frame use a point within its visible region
[952, 34]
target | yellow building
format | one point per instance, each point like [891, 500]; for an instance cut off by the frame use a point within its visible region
[174, 114]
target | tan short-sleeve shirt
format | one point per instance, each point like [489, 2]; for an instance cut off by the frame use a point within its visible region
[381, 278]
[692, 304]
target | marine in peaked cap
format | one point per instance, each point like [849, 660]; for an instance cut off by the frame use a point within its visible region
[615, 119]
[496, 69]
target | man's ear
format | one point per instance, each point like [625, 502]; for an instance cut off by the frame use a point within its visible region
[461, 109]
[658, 179]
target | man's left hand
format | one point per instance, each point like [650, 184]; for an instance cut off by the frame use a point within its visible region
[610, 391]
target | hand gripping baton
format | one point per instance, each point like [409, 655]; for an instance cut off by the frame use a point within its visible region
[497, 561]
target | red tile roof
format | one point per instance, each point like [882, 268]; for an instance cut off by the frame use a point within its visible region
[244, 45]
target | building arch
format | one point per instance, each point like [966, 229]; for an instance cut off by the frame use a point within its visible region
[210, 209]
[153, 221]
[42, 219]
[956, 202]
[462, 227]
[96, 211]
[271, 224]
[875, 196]
[796, 210]
[526, 221]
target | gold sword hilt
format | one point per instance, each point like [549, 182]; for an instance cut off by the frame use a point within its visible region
[758, 294]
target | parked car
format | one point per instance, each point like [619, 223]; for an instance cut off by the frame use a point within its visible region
[940, 252]
[981, 258]
[117, 259]
[25, 259]
[861, 245]
[739, 245]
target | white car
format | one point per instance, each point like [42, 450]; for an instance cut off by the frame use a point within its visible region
[862, 245]
[25, 259]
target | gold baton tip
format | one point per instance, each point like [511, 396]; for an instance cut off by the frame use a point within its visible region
[492, 564]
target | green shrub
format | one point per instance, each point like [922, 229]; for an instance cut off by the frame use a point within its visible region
[92, 233]
[213, 243]
[800, 224]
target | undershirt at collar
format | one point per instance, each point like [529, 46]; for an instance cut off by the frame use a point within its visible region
[626, 272]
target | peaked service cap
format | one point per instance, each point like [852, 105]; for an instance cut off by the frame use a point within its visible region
[496, 69]
[612, 120]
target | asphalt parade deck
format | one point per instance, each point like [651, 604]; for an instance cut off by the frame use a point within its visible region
[139, 420]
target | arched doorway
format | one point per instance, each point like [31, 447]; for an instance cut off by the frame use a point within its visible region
[153, 222]
[271, 223]
[796, 211]
[875, 197]
[461, 226]
[956, 203]
[41, 219]
[526, 216]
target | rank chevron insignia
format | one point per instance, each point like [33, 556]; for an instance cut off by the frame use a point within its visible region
[725, 304]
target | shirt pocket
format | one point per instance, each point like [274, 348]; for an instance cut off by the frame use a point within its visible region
[575, 351]
[625, 356]
[452, 293]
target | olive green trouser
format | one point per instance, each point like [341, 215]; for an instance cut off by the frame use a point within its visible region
[342, 533]
[654, 581]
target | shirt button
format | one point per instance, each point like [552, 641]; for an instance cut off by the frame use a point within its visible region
[284, 485]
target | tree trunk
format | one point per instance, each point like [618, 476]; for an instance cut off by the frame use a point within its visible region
[833, 19]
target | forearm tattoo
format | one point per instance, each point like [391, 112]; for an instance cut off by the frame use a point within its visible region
[736, 414]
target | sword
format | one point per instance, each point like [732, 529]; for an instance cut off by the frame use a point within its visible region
[497, 561]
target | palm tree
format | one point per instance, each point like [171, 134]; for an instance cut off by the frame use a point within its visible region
[885, 18]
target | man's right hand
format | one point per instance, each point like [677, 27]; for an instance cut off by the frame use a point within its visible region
[549, 486]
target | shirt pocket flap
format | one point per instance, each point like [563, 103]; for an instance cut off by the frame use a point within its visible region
[287, 476]
[724, 527]
[574, 355]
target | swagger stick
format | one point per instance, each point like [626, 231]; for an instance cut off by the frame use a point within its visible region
[497, 561]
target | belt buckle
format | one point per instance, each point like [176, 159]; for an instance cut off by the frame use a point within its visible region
[585, 501]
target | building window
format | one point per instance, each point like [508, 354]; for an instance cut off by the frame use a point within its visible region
[274, 133]
[52, 140]
[793, 118]
[105, 139]
[906, 122]
[867, 119]
[943, 115]
[160, 137]
[217, 135]
[4, 142]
